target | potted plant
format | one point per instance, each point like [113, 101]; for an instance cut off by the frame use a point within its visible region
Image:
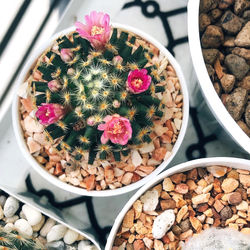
[101, 107]
[184, 201]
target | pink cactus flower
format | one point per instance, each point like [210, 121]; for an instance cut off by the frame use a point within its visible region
[96, 30]
[54, 85]
[116, 128]
[50, 113]
[138, 81]
[67, 55]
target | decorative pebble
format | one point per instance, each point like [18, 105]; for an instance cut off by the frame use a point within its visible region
[70, 237]
[10, 207]
[9, 227]
[163, 223]
[226, 213]
[33, 216]
[47, 226]
[150, 200]
[147, 148]
[56, 233]
[217, 171]
[12, 219]
[235, 198]
[23, 227]
[201, 198]
[243, 206]
[229, 185]
[136, 158]
[57, 245]
[32, 126]
[2, 200]
[1, 213]
[38, 226]
[82, 244]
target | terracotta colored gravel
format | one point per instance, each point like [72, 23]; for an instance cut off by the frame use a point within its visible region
[217, 196]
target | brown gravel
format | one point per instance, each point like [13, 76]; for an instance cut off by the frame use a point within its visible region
[225, 40]
[217, 196]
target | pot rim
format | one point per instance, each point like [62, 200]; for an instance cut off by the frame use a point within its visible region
[103, 193]
[203, 162]
[206, 85]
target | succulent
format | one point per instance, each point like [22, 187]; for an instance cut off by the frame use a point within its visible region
[12, 240]
[84, 85]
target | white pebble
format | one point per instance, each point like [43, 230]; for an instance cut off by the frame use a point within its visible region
[9, 227]
[33, 216]
[56, 233]
[70, 237]
[163, 223]
[23, 90]
[47, 226]
[2, 200]
[150, 200]
[38, 226]
[23, 227]
[217, 171]
[10, 207]
[136, 158]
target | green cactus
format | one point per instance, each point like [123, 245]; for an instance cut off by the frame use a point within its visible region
[12, 240]
[93, 85]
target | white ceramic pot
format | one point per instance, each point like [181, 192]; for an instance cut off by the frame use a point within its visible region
[204, 162]
[71, 188]
[50, 212]
[209, 93]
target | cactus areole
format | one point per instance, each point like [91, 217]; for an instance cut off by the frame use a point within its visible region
[99, 90]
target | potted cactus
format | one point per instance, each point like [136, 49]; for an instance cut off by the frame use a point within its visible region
[103, 107]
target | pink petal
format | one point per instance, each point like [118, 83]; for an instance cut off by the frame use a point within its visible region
[104, 139]
[101, 127]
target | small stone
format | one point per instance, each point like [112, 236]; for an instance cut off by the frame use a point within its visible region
[181, 188]
[186, 235]
[127, 178]
[240, 6]
[243, 206]
[83, 244]
[163, 223]
[246, 15]
[196, 224]
[229, 185]
[245, 180]
[177, 178]
[1, 213]
[147, 148]
[215, 14]
[210, 71]
[47, 226]
[245, 53]
[33, 145]
[204, 21]
[70, 237]
[32, 126]
[247, 119]
[136, 158]
[23, 227]
[159, 153]
[227, 82]
[150, 200]
[224, 4]
[207, 5]
[201, 198]
[226, 213]
[231, 23]
[139, 244]
[192, 174]
[236, 101]
[56, 233]
[243, 37]
[229, 41]
[181, 213]
[185, 225]
[167, 204]
[57, 245]
[2, 200]
[148, 242]
[32, 215]
[210, 55]
[10, 207]
[235, 198]
[237, 65]
[128, 220]
[213, 37]
[9, 227]
[38, 226]
[218, 206]
[217, 171]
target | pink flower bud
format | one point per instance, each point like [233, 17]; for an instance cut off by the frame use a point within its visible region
[116, 104]
[54, 85]
[67, 55]
[91, 121]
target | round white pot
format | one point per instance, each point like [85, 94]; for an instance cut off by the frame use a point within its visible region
[211, 97]
[71, 188]
[204, 162]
